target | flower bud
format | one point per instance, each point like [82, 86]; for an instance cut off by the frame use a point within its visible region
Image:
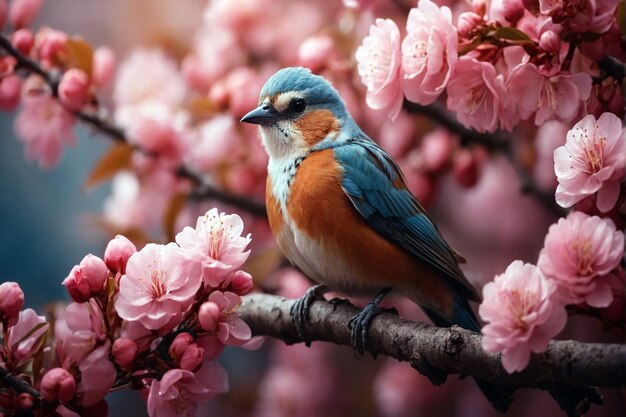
[10, 92]
[25, 401]
[86, 278]
[512, 10]
[124, 351]
[192, 358]
[11, 301]
[74, 89]
[23, 40]
[103, 66]
[52, 45]
[58, 383]
[179, 345]
[23, 12]
[117, 252]
[316, 51]
[241, 282]
[465, 168]
[550, 42]
[209, 316]
[467, 24]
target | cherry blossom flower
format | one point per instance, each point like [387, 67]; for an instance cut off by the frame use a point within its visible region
[59, 384]
[379, 64]
[549, 96]
[44, 126]
[26, 337]
[97, 376]
[159, 284]
[74, 89]
[23, 12]
[474, 93]
[11, 302]
[87, 278]
[118, 251]
[521, 313]
[592, 160]
[179, 391]
[217, 244]
[219, 315]
[103, 67]
[85, 329]
[213, 143]
[429, 52]
[147, 78]
[579, 251]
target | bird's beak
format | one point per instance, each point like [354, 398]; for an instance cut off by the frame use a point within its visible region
[262, 115]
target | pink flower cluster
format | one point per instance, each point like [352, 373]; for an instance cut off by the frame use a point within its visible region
[492, 54]
[525, 306]
[46, 120]
[154, 319]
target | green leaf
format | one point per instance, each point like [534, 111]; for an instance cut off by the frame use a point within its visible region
[512, 34]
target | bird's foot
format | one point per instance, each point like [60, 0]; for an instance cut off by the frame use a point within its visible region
[300, 309]
[359, 324]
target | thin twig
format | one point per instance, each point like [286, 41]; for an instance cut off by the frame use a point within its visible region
[10, 380]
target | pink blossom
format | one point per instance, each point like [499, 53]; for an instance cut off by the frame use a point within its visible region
[74, 89]
[429, 52]
[380, 67]
[11, 302]
[549, 96]
[23, 12]
[44, 126]
[239, 282]
[52, 46]
[103, 67]
[592, 160]
[474, 93]
[179, 345]
[118, 251]
[97, 376]
[209, 316]
[87, 278]
[579, 251]
[231, 330]
[59, 384]
[217, 244]
[213, 143]
[148, 83]
[136, 332]
[522, 314]
[85, 329]
[159, 284]
[23, 40]
[242, 85]
[468, 23]
[26, 337]
[437, 150]
[158, 137]
[124, 351]
[10, 92]
[465, 168]
[179, 391]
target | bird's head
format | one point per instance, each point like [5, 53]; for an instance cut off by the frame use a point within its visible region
[297, 111]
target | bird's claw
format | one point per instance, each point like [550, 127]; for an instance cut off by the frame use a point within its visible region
[300, 309]
[359, 324]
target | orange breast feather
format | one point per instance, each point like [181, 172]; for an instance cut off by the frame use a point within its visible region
[321, 210]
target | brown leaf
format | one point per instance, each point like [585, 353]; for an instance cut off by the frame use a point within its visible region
[79, 54]
[117, 158]
[174, 206]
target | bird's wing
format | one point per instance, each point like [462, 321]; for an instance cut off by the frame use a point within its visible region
[376, 188]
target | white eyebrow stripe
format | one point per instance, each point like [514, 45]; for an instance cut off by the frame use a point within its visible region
[281, 102]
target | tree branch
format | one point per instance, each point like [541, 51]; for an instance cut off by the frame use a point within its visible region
[565, 367]
[494, 142]
[18, 384]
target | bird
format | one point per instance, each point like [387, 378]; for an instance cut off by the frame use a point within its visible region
[340, 210]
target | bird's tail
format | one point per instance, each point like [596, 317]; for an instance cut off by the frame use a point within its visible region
[464, 317]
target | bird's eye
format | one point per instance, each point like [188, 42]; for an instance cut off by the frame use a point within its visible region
[298, 105]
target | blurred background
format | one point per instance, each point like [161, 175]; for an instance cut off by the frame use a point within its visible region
[49, 221]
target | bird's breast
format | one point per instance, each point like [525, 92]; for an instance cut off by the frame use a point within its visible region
[320, 231]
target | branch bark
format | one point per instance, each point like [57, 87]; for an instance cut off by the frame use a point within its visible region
[437, 352]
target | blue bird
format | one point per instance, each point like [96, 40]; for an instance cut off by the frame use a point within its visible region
[340, 210]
